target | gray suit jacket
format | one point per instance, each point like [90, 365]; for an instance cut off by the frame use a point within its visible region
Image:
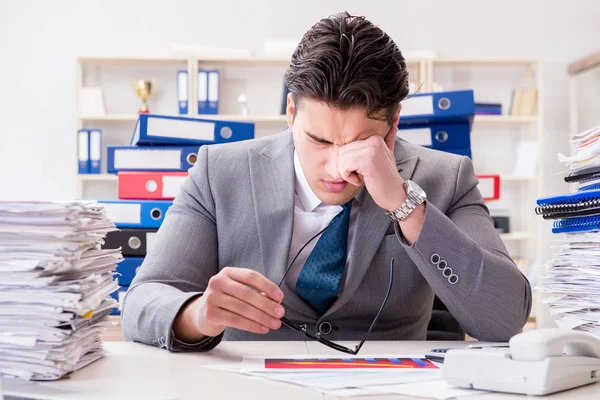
[236, 209]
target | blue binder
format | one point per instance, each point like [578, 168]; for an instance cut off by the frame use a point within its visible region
[577, 224]
[437, 136]
[95, 156]
[127, 269]
[83, 151]
[202, 91]
[182, 91]
[147, 214]
[439, 107]
[153, 129]
[570, 205]
[151, 158]
[213, 92]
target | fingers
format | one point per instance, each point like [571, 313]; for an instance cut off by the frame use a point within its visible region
[237, 321]
[252, 278]
[249, 312]
[350, 165]
[248, 295]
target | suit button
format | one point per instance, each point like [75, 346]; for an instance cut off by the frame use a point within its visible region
[325, 328]
[447, 272]
[442, 264]
[453, 279]
[435, 258]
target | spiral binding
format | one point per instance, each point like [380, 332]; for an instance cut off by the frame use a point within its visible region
[594, 186]
[561, 208]
[577, 224]
[583, 178]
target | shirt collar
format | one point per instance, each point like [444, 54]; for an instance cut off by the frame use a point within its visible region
[308, 198]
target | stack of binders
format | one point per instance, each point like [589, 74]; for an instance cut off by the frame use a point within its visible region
[440, 121]
[571, 280]
[150, 172]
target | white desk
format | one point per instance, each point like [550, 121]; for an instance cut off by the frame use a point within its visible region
[136, 371]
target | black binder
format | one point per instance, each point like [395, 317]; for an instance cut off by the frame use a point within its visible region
[133, 242]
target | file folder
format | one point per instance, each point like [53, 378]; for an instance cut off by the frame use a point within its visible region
[439, 107]
[577, 224]
[95, 150]
[83, 152]
[437, 136]
[150, 185]
[577, 204]
[213, 92]
[153, 129]
[158, 158]
[148, 214]
[202, 86]
[133, 242]
[489, 186]
[182, 91]
[119, 296]
[127, 269]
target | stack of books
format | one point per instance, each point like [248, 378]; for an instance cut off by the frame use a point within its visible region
[571, 280]
[150, 171]
[55, 286]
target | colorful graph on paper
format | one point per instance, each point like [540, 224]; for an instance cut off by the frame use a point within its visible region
[348, 363]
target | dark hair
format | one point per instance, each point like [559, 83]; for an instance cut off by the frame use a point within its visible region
[347, 62]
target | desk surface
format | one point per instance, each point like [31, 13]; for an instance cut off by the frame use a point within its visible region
[137, 371]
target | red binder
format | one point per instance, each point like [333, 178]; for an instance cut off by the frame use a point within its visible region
[489, 186]
[149, 185]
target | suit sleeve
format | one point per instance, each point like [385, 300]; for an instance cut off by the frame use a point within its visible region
[465, 262]
[177, 268]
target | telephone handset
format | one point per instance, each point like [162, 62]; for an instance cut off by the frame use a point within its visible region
[536, 362]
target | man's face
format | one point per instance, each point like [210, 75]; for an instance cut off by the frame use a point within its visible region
[319, 131]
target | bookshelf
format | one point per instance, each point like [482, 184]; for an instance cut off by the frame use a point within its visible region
[493, 80]
[261, 77]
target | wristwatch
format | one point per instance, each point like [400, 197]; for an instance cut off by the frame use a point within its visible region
[416, 197]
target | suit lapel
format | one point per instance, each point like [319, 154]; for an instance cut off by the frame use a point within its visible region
[371, 225]
[272, 180]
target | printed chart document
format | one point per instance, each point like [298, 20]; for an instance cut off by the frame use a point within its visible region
[353, 375]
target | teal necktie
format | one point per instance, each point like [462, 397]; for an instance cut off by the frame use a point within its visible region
[319, 279]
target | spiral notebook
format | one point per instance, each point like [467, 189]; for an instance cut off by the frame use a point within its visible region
[578, 224]
[578, 204]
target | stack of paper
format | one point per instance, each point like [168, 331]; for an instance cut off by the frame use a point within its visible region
[571, 280]
[585, 160]
[55, 286]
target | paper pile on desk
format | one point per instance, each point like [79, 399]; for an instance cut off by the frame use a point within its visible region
[55, 286]
[571, 280]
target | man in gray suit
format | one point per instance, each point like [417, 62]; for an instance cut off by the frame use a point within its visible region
[305, 223]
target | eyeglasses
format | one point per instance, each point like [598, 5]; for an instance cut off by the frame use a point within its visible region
[303, 329]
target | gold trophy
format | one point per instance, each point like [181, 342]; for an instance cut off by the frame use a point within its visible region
[144, 90]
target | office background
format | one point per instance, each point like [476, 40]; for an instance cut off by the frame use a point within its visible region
[40, 42]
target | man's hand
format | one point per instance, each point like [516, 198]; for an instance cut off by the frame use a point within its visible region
[372, 161]
[236, 297]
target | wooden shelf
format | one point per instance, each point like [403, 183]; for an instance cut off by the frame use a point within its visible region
[97, 177]
[485, 61]
[513, 178]
[132, 60]
[506, 119]
[517, 236]
[224, 117]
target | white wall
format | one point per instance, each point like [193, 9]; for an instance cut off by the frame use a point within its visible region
[39, 41]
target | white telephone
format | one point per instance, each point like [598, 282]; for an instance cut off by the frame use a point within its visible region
[537, 362]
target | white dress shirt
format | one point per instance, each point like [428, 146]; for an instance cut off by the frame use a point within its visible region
[311, 216]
